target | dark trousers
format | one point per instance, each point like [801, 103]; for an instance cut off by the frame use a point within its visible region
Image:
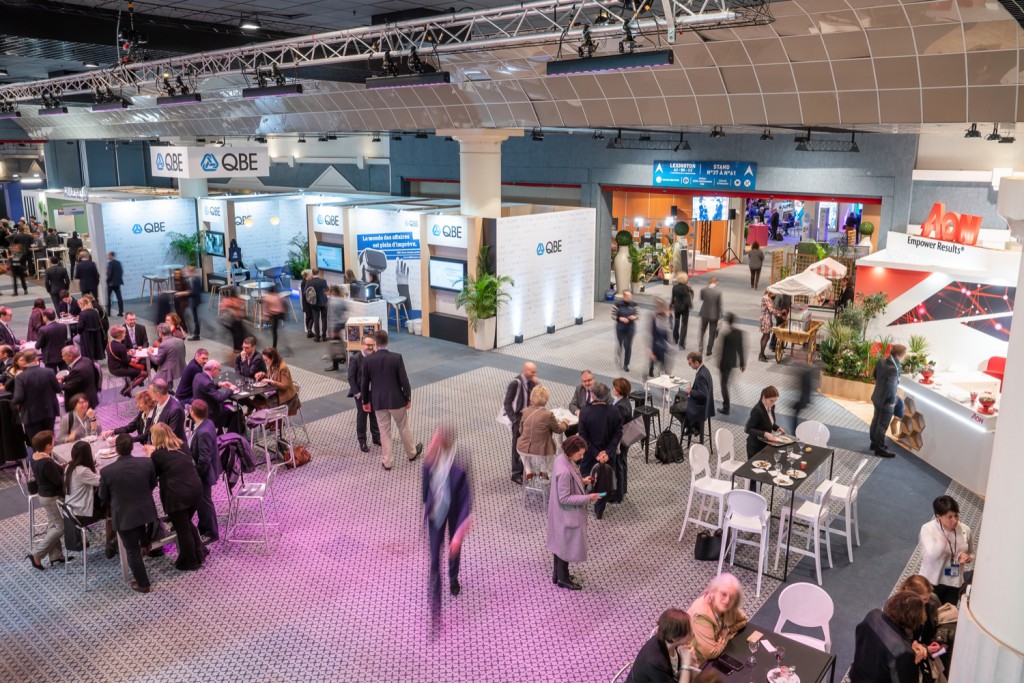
[307, 315]
[17, 273]
[879, 424]
[33, 428]
[195, 317]
[94, 291]
[320, 322]
[55, 298]
[948, 595]
[725, 388]
[561, 571]
[111, 293]
[755, 277]
[132, 540]
[624, 335]
[619, 464]
[711, 327]
[680, 323]
[361, 418]
[275, 320]
[208, 514]
[190, 545]
[436, 541]
[517, 462]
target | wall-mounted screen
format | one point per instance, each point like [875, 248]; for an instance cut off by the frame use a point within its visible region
[213, 243]
[330, 257]
[446, 273]
[710, 208]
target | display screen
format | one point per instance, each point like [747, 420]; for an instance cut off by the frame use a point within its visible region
[329, 257]
[446, 273]
[213, 243]
[710, 208]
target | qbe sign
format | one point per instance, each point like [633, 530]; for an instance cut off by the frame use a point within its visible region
[209, 162]
[448, 231]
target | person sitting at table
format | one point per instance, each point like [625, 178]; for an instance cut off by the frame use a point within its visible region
[14, 368]
[79, 422]
[600, 425]
[126, 485]
[50, 481]
[884, 648]
[35, 320]
[945, 549]
[716, 617]
[664, 658]
[928, 633]
[6, 334]
[121, 364]
[537, 428]
[83, 377]
[143, 421]
[206, 387]
[279, 376]
[82, 492]
[90, 329]
[6, 358]
[700, 404]
[135, 335]
[169, 359]
[67, 306]
[195, 366]
[181, 491]
[248, 363]
[173, 321]
[761, 424]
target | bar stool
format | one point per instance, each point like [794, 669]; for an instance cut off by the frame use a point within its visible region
[702, 482]
[156, 285]
[398, 304]
[816, 516]
[257, 492]
[270, 420]
[746, 512]
[533, 467]
[34, 528]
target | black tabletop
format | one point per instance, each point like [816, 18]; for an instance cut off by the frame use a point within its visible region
[814, 459]
[811, 664]
[247, 388]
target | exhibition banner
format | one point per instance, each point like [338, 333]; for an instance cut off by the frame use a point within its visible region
[388, 245]
[711, 175]
[209, 162]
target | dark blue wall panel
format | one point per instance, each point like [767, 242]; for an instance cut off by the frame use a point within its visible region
[99, 161]
[63, 164]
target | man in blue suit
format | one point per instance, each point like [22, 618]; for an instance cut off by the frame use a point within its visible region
[701, 404]
[884, 397]
[202, 445]
[206, 387]
[194, 367]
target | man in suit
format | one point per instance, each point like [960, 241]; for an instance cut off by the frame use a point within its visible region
[67, 305]
[202, 445]
[135, 335]
[115, 279]
[88, 276]
[701, 404]
[50, 341]
[601, 427]
[710, 312]
[386, 390]
[194, 367]
[884, 397]
[307, 306]
[517, 397]
[126, 485]
[206, 387]
[6, 333]
[74, 244]
[319, 285]
[583, 394]
[56, 280]
[35, 396]
[355, 383]
[82, 378]
[732, 357]
[249, 361]
[6, 358]
[195, 298]
[169, 359]
[168, 409]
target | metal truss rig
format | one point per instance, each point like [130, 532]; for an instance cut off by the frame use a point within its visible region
[542, 22]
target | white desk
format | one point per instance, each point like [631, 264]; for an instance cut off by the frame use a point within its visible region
[369, 309]
[668, 385]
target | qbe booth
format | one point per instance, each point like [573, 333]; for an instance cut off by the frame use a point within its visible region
[957, 299]
[409, 262]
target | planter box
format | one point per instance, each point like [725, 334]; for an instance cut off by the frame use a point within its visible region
[845, 388]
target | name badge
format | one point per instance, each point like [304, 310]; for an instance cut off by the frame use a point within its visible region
[953, 571]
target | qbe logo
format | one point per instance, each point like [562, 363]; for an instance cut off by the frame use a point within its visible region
[169, 161]
[209, 163]
[140, 228]
[452, 231]
[240, 220]
[137, 229]
[437, 231]
[211, 211]
[552, 247]
[332, 220]
[320, 220]
[159, 162]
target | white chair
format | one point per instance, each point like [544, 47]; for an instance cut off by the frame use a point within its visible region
[708, 486]
[257, 492]
[536, 474]
[848, 494]
[725, 444]
[34, 528]
[813, 433]
[747, 512]
[808, 606]
[816, 516]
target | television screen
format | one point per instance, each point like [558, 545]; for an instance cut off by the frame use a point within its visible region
[213, 243]
[446, 273]
[710, 208]
[329, 257]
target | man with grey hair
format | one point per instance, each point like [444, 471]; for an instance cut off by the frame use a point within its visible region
[83, 376]
[168, 409]
[169, 359]
[206, 387]
[517, 398]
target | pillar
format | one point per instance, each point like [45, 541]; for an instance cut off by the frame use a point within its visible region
[193, 188]
[990, 631]
[480, 168]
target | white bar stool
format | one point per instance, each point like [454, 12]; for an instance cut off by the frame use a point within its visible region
[816, 516]
[747, 512]
[703, 483]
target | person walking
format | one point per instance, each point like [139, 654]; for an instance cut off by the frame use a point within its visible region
[336, 317]
[755, 259]
[195, 298]
[115, 280]
[682, 302]
[732, 357]
[126, 486]
[385, 388]
[88, 275]
[74, 245]
[659, 338]
[710, 312]
[517, 398]
[55, 280]
[567, 513]
[308, 299]
[766, 323]
[625, 315]
[319, 305]
[19, 267]
[884, 398]
[355, 382]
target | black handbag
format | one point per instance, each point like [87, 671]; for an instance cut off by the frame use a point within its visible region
[708, 546]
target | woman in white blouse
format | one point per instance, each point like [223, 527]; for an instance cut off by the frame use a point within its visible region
[81, 490]
[945, 545]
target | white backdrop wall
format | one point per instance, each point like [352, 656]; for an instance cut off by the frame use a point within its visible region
[397, 234]
[550, 258]
[213, 211]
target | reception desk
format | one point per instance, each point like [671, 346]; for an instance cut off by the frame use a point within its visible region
[942, 427]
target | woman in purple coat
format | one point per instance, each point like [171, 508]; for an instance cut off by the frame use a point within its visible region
[567, 512]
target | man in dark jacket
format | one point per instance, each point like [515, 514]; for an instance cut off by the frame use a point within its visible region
[517, 397]
[733, 356]
[195, 298]
[847, 296]
[355, 382]
[88, 276]
[682, 302]
[135, 335]
[35, 396]
[56, 280]
[701, 404]
[74, 243]
[307, 302]
[50, 341]
[710, 313]
[202, 445]
[884, 397]
[625, 315]
[386, 390]
[67, 305]
[126, 485]
[883, 650]
[214, 393]
[319, 285]
[601, 427]
[194, 367]
[168, 409]
[83, 377]
[447, 503]
[181, 492]
[115, 279]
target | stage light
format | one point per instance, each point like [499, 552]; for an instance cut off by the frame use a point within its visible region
[717, 132]
[409, 80]
[767, 135]
[376, 137]
[684, 145]
[598, 135]
[250, 23]
[421, 135]
[1007, 139]
[537, 135]
[551, 329]
[628, 60]
[518, 339]
[994, 135]
[283, 90]
[397, 137]
[248, 222]
[172, 100]
[579, 320]
[302, 139]
[973, 131]
[110, 106]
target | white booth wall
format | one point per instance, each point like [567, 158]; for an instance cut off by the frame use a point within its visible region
[395, 230]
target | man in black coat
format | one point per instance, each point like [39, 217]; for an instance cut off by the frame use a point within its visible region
[195, 298]
[50, 341]
[319, 285]
[386, 390]
[194, 367]
[701, 404]
[202, 445]
[682, 302]
[710, 313]
[135, 335]
[884, 397]
[126, 485]
[601, 427]
[82, 378]
[307, 304]
[56, 280]
[73, 244]
[67, 305]
[115, 279]
[517, 397]
[205, 386]
[847, 296]
[583, 395]
[168, 409]
[7, 336]
[35, 395]
[355, 382]
[88, 276]
[732, 357]
[181, 492]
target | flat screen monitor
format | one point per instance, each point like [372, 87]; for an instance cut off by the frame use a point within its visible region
[213, 243]
[330, 257]
[446, 273]
[710, 208]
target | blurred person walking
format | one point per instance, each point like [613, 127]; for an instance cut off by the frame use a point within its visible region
[710, 312]
[732, 356]
[755, 259]
[625, 314]
[659, 338]
[682, 302]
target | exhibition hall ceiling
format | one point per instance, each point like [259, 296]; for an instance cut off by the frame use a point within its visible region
[872, 65]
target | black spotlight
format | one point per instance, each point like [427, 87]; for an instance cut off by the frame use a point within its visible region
[579, 320]
[537, 135]
[518, 339]
[551, 329]
[994, 135]
[973, 131]
[767, 134]
[717, 132]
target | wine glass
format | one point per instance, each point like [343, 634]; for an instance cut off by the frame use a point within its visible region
[777, 457]
[780, 653]
[752, 645]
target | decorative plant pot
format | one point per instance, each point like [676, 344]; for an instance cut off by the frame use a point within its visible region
[484, 333]
[927, 374]
[986, 401]
[623, 269]
[635, 287]
[846, 388]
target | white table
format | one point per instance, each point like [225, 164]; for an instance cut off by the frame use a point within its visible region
[62, 452]
[564, 414]
[144, 355]
[367, 309]
[668, 385]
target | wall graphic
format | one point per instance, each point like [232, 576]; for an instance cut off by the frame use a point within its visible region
[396, 235]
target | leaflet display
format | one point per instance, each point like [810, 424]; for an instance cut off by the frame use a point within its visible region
[447, 274]
[330, 257]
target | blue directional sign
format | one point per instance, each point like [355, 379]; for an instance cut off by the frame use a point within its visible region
[706, 175]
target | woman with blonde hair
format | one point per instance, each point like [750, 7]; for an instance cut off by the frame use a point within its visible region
[536, 432]
[716, 617]
[141, 425]
[681, 303]
[180, 493]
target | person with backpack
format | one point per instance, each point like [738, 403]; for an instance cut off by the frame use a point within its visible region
[682, 302]
[517, 397]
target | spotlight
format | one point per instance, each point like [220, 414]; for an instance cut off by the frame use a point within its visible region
[332, 136]
[551, 329]
[767, 135]
[302, 139]
[251, 23]
[598, 135]
[421, 135]
[973, 131]
[376, 137]
[537, 135]
[602, 17]
[201, 140]
[3, 71]
[281, 90]
[994, 135]
[262, 139]
[579, 320]
[518, 339]
[9, 110]
[322, 138]
[407, 81]
[645, 137]
[397, 137]
[172, 100]
[717, 132]
[854, 147]
[683, 145]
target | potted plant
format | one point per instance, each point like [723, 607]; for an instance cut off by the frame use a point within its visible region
[480, 297]
[917, 354]
[621, 263]
[927, 370]
[185, 246]
[866, 230]
[636, 269]
[298, 258]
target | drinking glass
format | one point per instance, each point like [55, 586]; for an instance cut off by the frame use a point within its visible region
[777, 457]
[780, 653]
[752, 645]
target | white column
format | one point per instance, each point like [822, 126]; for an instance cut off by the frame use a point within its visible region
[990, 631]
[480, 168]
[193, 188]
